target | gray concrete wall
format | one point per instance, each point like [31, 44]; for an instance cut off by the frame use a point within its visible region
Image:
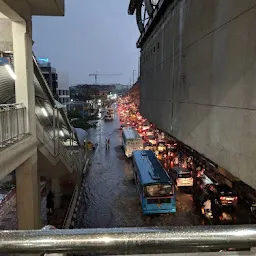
[198, 76]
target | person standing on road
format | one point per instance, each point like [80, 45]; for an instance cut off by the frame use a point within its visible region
[107, 143]
[50, 202]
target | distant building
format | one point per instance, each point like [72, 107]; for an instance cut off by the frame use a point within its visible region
[63, 96]
[63, 80]
[50, 75]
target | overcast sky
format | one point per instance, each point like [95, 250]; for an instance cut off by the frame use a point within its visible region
[95, 35]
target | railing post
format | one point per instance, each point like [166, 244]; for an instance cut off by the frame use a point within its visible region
[1, 128]
[58, 130]
[54, 132]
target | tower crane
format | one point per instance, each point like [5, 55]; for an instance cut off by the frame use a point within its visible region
[97, 74]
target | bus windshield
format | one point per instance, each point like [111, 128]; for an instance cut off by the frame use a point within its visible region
[158, 190]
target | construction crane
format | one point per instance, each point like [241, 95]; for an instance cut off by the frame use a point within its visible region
[97, 74]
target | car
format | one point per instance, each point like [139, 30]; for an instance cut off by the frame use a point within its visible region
[182, 177]
[161, 146]
[148, 146]
[145, 126]
[222, 194]
[149, 132]
[152, 139]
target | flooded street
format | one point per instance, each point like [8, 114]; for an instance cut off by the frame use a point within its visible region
[110, 198]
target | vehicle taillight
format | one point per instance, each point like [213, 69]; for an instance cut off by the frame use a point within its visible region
[222, 198]
[235, 198]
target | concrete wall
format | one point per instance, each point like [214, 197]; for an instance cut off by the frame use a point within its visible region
[198, 76]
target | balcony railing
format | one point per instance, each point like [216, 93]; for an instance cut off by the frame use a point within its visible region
[133, 240]
[13, 124]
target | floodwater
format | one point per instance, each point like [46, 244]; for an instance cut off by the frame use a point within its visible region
[110, 198]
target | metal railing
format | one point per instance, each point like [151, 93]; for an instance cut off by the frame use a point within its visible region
[130, 240]
[71, 208]
[13, 124]
[56, 148]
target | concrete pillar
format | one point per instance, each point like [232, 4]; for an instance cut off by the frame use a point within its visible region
[56, 190]
[28, 196]
[23, 66]
[5, 35]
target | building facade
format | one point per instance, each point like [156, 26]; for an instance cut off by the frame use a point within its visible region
[63, 96]
[50, 75]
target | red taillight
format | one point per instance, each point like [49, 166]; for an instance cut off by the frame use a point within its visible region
[235, 198]
[175, 144]
[222, 198]
[172, 154]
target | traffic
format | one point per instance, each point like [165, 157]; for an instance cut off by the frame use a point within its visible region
[161, 168]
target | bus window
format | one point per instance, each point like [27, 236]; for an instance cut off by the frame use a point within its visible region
[158, 190]
[159, 201]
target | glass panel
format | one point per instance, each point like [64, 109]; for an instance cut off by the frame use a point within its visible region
[159, 190]
[184, 175]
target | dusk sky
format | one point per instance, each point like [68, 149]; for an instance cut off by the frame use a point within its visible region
[95, 35]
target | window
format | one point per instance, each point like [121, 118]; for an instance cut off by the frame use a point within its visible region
[158, 45]
[154, 49]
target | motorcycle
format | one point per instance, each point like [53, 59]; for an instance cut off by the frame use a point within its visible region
[207, 213]
[253, 209]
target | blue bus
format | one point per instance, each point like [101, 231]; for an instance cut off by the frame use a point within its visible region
[155, 187]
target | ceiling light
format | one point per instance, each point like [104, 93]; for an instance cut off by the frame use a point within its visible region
[10, 71]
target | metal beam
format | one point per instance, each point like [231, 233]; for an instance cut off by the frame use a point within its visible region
[130, 240]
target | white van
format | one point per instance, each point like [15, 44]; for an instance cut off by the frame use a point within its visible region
[131, 141]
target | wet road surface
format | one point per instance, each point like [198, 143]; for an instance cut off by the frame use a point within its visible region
[110, 198]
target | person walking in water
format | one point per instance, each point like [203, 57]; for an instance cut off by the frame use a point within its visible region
[107, 143]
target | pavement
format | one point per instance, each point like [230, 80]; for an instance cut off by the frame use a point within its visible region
[8, 211]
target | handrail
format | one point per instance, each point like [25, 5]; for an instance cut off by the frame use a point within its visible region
[67, 156]
[130, 240]
[71, 207]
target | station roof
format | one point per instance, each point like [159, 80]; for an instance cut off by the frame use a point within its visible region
[151, 171]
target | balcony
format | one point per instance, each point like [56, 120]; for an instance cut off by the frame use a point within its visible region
[12, 123]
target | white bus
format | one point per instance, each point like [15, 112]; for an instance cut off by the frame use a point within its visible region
[131, 141]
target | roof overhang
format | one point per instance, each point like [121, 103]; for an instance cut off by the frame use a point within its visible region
[27, 8]
[47, 7]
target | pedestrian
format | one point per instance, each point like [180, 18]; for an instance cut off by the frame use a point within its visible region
[50, 202]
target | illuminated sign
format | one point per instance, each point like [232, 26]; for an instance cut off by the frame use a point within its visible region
[43, 60]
